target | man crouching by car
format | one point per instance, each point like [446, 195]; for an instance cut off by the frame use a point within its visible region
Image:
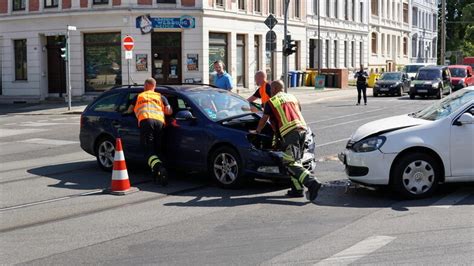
[284, 112]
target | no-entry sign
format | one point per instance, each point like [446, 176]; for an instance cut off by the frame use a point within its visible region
[128, 43]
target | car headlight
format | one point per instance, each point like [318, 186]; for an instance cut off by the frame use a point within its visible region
[435, 85]
[370, 144]
[412, 85]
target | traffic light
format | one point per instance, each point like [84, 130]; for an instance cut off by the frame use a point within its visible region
[63, 47]
[290, 47]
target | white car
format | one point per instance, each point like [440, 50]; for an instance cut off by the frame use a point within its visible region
[414, 153]
[412, 68]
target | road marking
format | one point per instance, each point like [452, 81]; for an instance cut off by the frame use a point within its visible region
[58, 119]
[349, 122]
[451, 199]
[357, 251]
[332, 142]
[14, 132]
[37, 124]
[54, 142]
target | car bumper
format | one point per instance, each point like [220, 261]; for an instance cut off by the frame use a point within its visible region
[372, 168]
[389, 90]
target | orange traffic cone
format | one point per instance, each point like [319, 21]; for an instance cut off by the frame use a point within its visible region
[120, 182]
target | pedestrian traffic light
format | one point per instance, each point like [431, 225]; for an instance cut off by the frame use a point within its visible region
[63, 47]
[290, 47]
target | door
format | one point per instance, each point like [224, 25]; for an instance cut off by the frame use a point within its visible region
[446, 81]
[127, 128]
[406, 82]
[185, 140]
[166, 57]
[56, 65]
[462, 149]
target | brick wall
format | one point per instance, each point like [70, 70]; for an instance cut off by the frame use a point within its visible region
[4, 6]
[116, 2]
[84, 3]
[66, 4]
[145, 2]
[34, 5]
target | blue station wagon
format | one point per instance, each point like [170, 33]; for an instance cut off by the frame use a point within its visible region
[208, 132]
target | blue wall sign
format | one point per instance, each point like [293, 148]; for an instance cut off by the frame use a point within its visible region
[146, 23]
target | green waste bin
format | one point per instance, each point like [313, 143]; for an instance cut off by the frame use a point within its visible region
[319, 82]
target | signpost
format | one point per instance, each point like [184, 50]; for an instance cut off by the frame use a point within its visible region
[68, 58]
[128, 44]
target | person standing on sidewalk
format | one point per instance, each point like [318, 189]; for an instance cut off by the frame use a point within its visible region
[284, 112]
[222, 79]
[150, 108]
[361, 77]
[264, 90]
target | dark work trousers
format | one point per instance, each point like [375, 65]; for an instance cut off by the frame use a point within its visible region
[151, 132]
[292, 151]
[362, 88]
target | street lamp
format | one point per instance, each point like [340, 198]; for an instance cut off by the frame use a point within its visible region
[68, 58]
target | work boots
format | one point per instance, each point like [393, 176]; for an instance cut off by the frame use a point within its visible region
[160, 175]
[313, 189]
[293, 193]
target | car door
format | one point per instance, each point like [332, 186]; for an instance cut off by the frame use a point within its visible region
[127, 128]
[406, 83]
[446, 81]
[462, 148]
[185, 139]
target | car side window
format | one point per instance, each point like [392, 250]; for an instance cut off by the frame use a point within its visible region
[177, 104]
[127, 101]
[107, 103]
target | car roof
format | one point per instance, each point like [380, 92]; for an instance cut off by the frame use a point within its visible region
[420, 64]
[433, 67]
[396, 72]
[459, 66]
[181, 88]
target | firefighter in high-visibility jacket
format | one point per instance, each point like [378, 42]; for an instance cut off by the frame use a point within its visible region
[264, 89]
[284, 112]
[150, 108]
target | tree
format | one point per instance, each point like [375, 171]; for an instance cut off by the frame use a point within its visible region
[468, 19]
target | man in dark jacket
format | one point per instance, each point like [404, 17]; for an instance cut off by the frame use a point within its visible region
[361, 77]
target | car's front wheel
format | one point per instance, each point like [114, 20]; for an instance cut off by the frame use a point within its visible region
[416, 175]
[105, 152]
[226, 168]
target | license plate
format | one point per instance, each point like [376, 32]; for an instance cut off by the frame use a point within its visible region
[307, 156]
[425, 91]
[384, 89]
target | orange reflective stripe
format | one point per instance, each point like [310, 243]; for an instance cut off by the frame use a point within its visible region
[263, 93]
[149, 106]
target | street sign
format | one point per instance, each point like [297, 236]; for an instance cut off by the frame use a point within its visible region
[271, 21]
[128, 55]
[128, 43]
[270, 40]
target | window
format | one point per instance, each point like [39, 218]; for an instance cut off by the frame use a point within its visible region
[257, 6]
[217, 51]
[20, 60]
[241, 4]
[166, 1]
[241, 77]
[405, 12]
[414, 17]
[353, 51]
[50, 3]
[335, 53]
[346, 10]
[435, 23]
[19, 5]
[413, 46]
[393, 11]
[336, 4]
[328, 10]
[100, 2]
[103, 60]
[107, 103]
[256, 46]
[361, 53]
[389, 52]
[361, 13]
[220, 3]
[398, 46]
[316, 7]
[271, 6]
[383, 43]
[327, 53]
[374, 43]
[346, 59]
[354, 6]
[375, 7]
[297, 8]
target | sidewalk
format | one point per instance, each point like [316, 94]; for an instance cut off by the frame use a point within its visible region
[306, 95]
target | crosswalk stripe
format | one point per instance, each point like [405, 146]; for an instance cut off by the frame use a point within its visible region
[451, 199]
[54, 142]
[13, 132]
[357, 251]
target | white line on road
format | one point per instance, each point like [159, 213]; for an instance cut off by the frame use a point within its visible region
[331, 142]
[452, 199]
[54, 142]
[349, 122]
[58, 119]
[14, 132]
[357, 251]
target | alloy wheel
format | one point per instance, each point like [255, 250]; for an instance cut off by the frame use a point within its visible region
[226, 168]
[106, 152]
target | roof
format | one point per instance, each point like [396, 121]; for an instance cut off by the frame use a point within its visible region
[179, 87]
[459, 66]
[420, 64]
[397, 72]
[433, 67]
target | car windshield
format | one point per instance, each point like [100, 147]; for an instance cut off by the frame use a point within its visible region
[458, 72]
[219, 104]
[412, 68]
[446, 106]
[391, 76]
[431, 74]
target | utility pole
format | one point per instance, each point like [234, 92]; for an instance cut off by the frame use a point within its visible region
[443, 32]
[285, 45]
[68, 58]
[319, 37]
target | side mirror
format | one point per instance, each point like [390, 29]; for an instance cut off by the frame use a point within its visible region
[184, 115]
[465, 119]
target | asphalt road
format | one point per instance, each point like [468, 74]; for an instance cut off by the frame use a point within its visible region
[52, 210]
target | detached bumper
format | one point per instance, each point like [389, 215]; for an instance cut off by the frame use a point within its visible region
[372, 168]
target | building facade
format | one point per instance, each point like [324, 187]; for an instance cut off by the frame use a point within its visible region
[175, 41]
[424, 31]
[389, 35]
[343, 33]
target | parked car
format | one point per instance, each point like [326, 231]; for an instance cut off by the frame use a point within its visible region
[207, 132]
[392, 83]
[431, 81]
[412, 68]
[469, 60]
[461, 76]
[413, 153]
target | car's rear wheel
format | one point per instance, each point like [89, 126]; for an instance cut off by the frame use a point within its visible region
[226, 168]
[412, 96]
[416, 175]
[105, 152]
[399, 93]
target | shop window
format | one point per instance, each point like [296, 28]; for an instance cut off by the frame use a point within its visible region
[107, 104]
[100, 2]
[166, 1]
[20, 60]
[375, 8]
[217, 51]
[103, 61]
[19, 5]
[241, 4]
[257, 5]
[374, 42]
[51, 3]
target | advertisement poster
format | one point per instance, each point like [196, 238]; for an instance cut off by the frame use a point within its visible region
[142, 62]
[192, 62]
